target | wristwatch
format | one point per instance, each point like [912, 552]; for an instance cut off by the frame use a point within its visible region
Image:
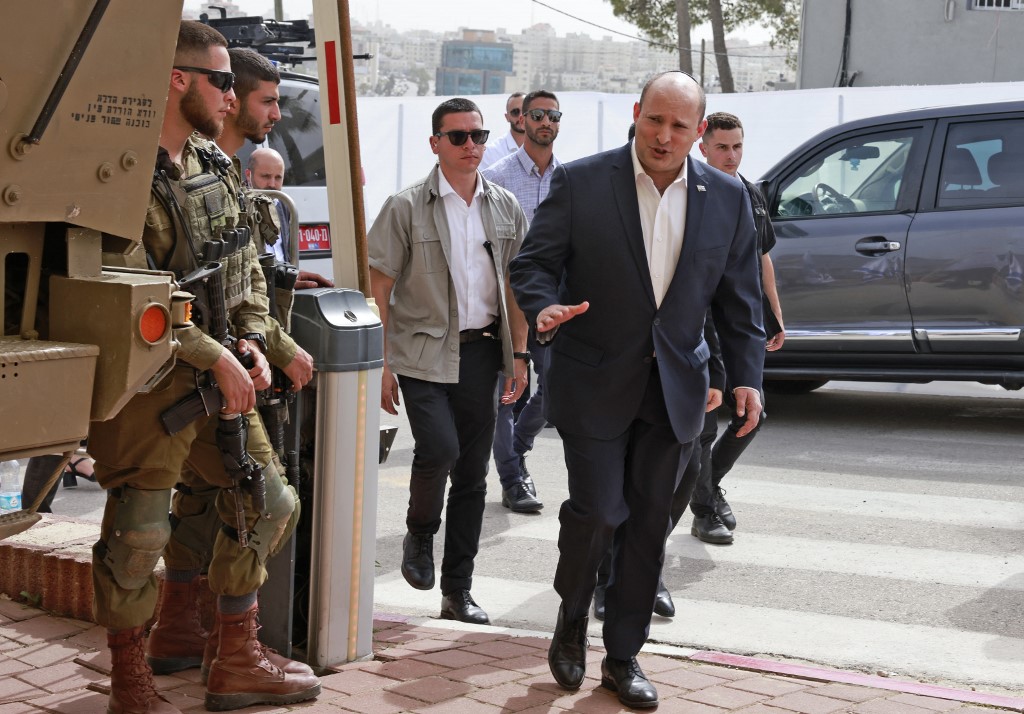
[257, 338]
[525, 356]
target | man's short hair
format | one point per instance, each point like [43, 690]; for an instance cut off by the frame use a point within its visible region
[251, 68]
[264, 153]
[458, 105]
[655, 78]
[194, 41]
[538, 94]
[513, 96]
[722, 120]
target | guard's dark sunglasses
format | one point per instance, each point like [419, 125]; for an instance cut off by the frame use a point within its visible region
[537, 114]
[458, 138]
[220, 79]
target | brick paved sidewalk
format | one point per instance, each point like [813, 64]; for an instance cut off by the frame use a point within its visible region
[55, 664]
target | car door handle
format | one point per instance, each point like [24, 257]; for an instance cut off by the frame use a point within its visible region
[877, 244]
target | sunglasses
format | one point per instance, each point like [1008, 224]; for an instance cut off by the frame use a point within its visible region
[537, 114]
[515, 112]
[458, 138]
[220, 79]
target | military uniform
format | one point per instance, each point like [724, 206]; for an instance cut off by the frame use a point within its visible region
[139, 463]
[196, 521]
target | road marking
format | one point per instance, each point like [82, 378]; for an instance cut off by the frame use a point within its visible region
[847, 642]
[926, 565]
[947, 510]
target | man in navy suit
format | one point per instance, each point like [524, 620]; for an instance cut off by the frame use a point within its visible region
[620, 265]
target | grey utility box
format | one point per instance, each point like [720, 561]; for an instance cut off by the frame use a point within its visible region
[346, 339]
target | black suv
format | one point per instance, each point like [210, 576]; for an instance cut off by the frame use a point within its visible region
[900, 253]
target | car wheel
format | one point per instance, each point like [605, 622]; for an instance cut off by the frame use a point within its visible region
[793, 386]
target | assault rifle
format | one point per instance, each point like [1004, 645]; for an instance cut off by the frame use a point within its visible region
[274, 403]
[210, 310]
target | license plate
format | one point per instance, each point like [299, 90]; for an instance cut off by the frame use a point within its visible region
[314, 238]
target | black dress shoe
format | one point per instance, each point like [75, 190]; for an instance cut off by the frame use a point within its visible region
[625, 677]
[518, 498]
[710, 529]
[418, 560]
[527, 479]
[663, 604]
[567, 656]
[599, 593]
[724, 510]
[459, 605]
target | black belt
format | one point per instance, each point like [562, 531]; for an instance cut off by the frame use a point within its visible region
[490, 332]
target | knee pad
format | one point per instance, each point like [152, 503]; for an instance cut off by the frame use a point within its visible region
[273, 525]
[138, 535]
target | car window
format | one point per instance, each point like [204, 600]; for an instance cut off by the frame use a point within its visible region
[983, 164]
[298, 137]
[861, 174]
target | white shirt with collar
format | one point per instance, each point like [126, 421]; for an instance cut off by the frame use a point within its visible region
[470, 265]
[498, 149]
[663, 221]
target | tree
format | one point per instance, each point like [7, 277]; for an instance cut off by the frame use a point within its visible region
[683, 30]
[663, 21]
[721, 53]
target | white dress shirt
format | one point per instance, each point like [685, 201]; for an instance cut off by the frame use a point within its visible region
[663, 221]
[471, 266]
[498, 149]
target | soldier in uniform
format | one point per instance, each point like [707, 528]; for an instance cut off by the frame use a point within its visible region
[192, 214]
[178, 640]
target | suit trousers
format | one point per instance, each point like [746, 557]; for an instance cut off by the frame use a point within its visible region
[620, 495]
[453, 428]
[689, 470]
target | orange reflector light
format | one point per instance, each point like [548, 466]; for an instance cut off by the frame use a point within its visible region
[188, 311]
[153, 323]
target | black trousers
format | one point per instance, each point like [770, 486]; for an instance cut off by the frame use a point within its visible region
[711, 462]
[620, 495]
[453, 427]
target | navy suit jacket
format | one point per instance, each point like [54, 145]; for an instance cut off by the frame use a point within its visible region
[586, 243]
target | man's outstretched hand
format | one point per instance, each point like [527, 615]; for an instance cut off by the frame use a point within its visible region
[554, 315]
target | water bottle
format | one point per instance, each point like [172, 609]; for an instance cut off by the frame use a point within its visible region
[10, 486]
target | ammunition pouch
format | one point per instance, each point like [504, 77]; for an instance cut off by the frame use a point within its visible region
[208, 206]
[236, 251]
[264, 213]
[196, 526]
[280, 278]
[138, 534]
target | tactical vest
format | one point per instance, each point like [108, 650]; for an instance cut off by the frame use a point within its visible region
[261, 216]
[208, 217]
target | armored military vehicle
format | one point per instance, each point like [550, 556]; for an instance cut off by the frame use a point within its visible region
[83, 87]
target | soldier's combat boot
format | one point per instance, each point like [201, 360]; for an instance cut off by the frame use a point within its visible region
[131, 680]
[290, 666]
[178, 639]
[241, 675]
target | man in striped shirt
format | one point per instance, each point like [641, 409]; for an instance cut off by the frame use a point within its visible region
[527, 174]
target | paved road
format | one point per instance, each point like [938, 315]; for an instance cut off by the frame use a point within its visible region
[878, 530]
[881, 528]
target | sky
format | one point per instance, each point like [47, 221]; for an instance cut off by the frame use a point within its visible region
[443, 15]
